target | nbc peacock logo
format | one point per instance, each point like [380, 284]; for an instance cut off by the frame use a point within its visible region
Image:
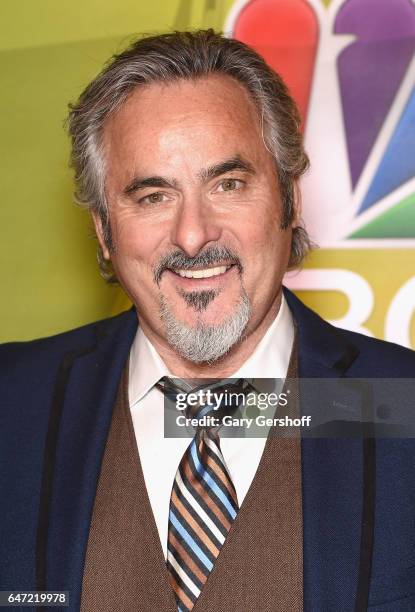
[350, 65]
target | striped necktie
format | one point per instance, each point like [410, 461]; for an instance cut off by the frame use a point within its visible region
[203, 506]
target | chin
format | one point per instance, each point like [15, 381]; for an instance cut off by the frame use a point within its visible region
[205, 339]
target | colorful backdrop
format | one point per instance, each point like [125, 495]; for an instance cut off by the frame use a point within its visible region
[350, 65]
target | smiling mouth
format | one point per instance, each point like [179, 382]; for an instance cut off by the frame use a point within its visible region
[203, 272]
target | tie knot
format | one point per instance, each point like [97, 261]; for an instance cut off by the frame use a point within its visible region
[211, 398]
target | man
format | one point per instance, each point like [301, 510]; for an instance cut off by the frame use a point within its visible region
[187, 152]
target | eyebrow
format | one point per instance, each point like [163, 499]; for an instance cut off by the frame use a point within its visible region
[150, 181]
[228, 165]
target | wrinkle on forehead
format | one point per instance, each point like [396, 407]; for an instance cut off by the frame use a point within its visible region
[183, 126]
[155, 104]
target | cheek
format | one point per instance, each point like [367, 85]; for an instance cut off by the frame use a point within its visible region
[265, 252]
[133, 261]
[133, 241]
[261, 235]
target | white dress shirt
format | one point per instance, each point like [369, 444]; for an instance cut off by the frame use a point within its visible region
[161, 456]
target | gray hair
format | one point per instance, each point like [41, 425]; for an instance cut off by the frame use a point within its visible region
[206, 343]
[186, 55]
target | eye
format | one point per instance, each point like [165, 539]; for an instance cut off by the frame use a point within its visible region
[153, 198]
[230, 184]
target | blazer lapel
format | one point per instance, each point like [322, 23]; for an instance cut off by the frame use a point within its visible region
[338, 478]
[85, 392]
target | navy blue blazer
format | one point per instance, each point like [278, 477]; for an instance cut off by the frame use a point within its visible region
[57, 396]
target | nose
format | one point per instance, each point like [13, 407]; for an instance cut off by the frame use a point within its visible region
[194, 227]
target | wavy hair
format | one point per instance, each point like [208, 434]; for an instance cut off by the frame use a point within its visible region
[186, 55]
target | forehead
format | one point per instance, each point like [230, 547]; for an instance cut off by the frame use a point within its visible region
[214, 112]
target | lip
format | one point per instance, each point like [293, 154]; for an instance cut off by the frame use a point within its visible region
[194, 284]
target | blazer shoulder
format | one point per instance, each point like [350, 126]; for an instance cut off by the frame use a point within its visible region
[367, 357]
[379, 357]
[42, 351]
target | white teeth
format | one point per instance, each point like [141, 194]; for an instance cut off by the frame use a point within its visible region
[202, 273]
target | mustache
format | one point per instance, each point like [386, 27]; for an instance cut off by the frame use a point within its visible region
[212, 255]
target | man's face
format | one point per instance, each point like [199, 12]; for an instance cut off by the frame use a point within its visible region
[195, 212]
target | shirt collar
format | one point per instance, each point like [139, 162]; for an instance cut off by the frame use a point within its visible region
[145, 369]
[270, 358]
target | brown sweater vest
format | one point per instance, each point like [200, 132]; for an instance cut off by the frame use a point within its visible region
[260, 566]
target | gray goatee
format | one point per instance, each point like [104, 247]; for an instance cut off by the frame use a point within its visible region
[206, 343]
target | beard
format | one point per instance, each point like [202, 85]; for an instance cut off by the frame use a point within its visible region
[205, 343]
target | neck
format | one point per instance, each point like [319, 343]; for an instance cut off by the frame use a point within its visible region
[225, 366]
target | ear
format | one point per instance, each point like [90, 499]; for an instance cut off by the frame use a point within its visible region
[99, 230]
[297, 204]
